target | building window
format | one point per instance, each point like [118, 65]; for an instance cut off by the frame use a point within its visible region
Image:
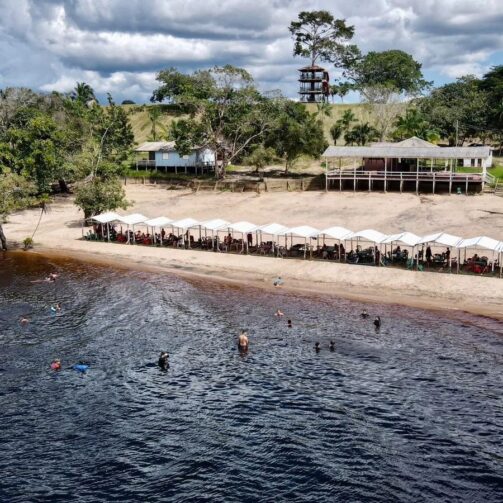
[165, 155]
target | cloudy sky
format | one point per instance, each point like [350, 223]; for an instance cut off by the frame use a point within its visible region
[118, 46]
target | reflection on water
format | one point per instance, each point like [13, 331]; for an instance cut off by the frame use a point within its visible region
[410, 413]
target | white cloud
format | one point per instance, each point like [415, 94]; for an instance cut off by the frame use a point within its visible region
[118, 45]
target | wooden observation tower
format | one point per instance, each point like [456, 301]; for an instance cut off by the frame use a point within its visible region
[314, 87]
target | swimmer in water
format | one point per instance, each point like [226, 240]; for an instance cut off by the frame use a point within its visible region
[56, 308]
[377, 322]
[317, 347]
[279, 313]
[243, 340]
[289, 323]
[332, 346]
[163, 360]
[24, 321]
[56, 364]
[364, 314]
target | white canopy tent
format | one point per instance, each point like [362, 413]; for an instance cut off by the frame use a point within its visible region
[274, 230]
[303, 231]
[132, 220]
[369, 235]
[484, 243]
[338, 233]
[442, 238]
[244, 228]
[104, 219]
[213, 226]
[185, 224]
[406, 238]
[158, 222]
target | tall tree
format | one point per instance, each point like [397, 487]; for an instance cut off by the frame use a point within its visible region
[458, 109]
[336, 132]
[154, 113]
[297, 133]
[16, 192]
[394, 70]
[227, 113]
[83, 93]
[384, 79]
[320, 37]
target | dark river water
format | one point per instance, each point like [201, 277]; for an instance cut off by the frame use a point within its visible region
[411, 413]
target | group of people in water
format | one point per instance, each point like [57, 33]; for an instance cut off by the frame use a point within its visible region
[243, 339]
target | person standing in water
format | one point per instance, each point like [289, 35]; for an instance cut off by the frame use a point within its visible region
[243, 340]
[289, 323]
[317, 347]
[332, 346]
[24, 321]
[163, 360]
[364, 314]
[377, 322]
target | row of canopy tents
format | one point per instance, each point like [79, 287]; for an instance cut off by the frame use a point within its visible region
[306, 232]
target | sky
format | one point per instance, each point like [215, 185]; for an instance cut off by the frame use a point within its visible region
[118, 46]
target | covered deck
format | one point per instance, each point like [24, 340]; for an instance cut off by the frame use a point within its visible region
[425, 168]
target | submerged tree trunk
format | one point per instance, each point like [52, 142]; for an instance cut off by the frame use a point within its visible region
[3, 239]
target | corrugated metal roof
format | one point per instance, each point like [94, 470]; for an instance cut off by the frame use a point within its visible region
[154, 146]
[392, 151]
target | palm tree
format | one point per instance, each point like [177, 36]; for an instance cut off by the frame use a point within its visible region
[334, 91]
[336, 131]
[83, 93]
[362, 134]
[347, 118]
[344, 89]
[413, 123]
[154, 112]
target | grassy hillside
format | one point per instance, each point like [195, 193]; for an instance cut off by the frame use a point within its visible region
[142, 125]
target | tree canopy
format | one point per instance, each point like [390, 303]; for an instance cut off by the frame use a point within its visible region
[395, 70]
[320, 37]
[458, 107]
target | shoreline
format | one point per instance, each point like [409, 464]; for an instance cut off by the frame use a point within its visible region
[379, 285]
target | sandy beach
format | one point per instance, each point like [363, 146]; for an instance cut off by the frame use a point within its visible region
[60, 230]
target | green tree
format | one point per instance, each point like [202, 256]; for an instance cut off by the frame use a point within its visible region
[98, 195]
[297, 133]
[413, 123]
[320, 37]
[459, 109]
[16, 193]
[36, 143]
[348, 117]
[260, 157]
[361, 134]
[154, 114]
[394, 70]
[383, 80]
[83, 93]
[336, 132]
[227, 113]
